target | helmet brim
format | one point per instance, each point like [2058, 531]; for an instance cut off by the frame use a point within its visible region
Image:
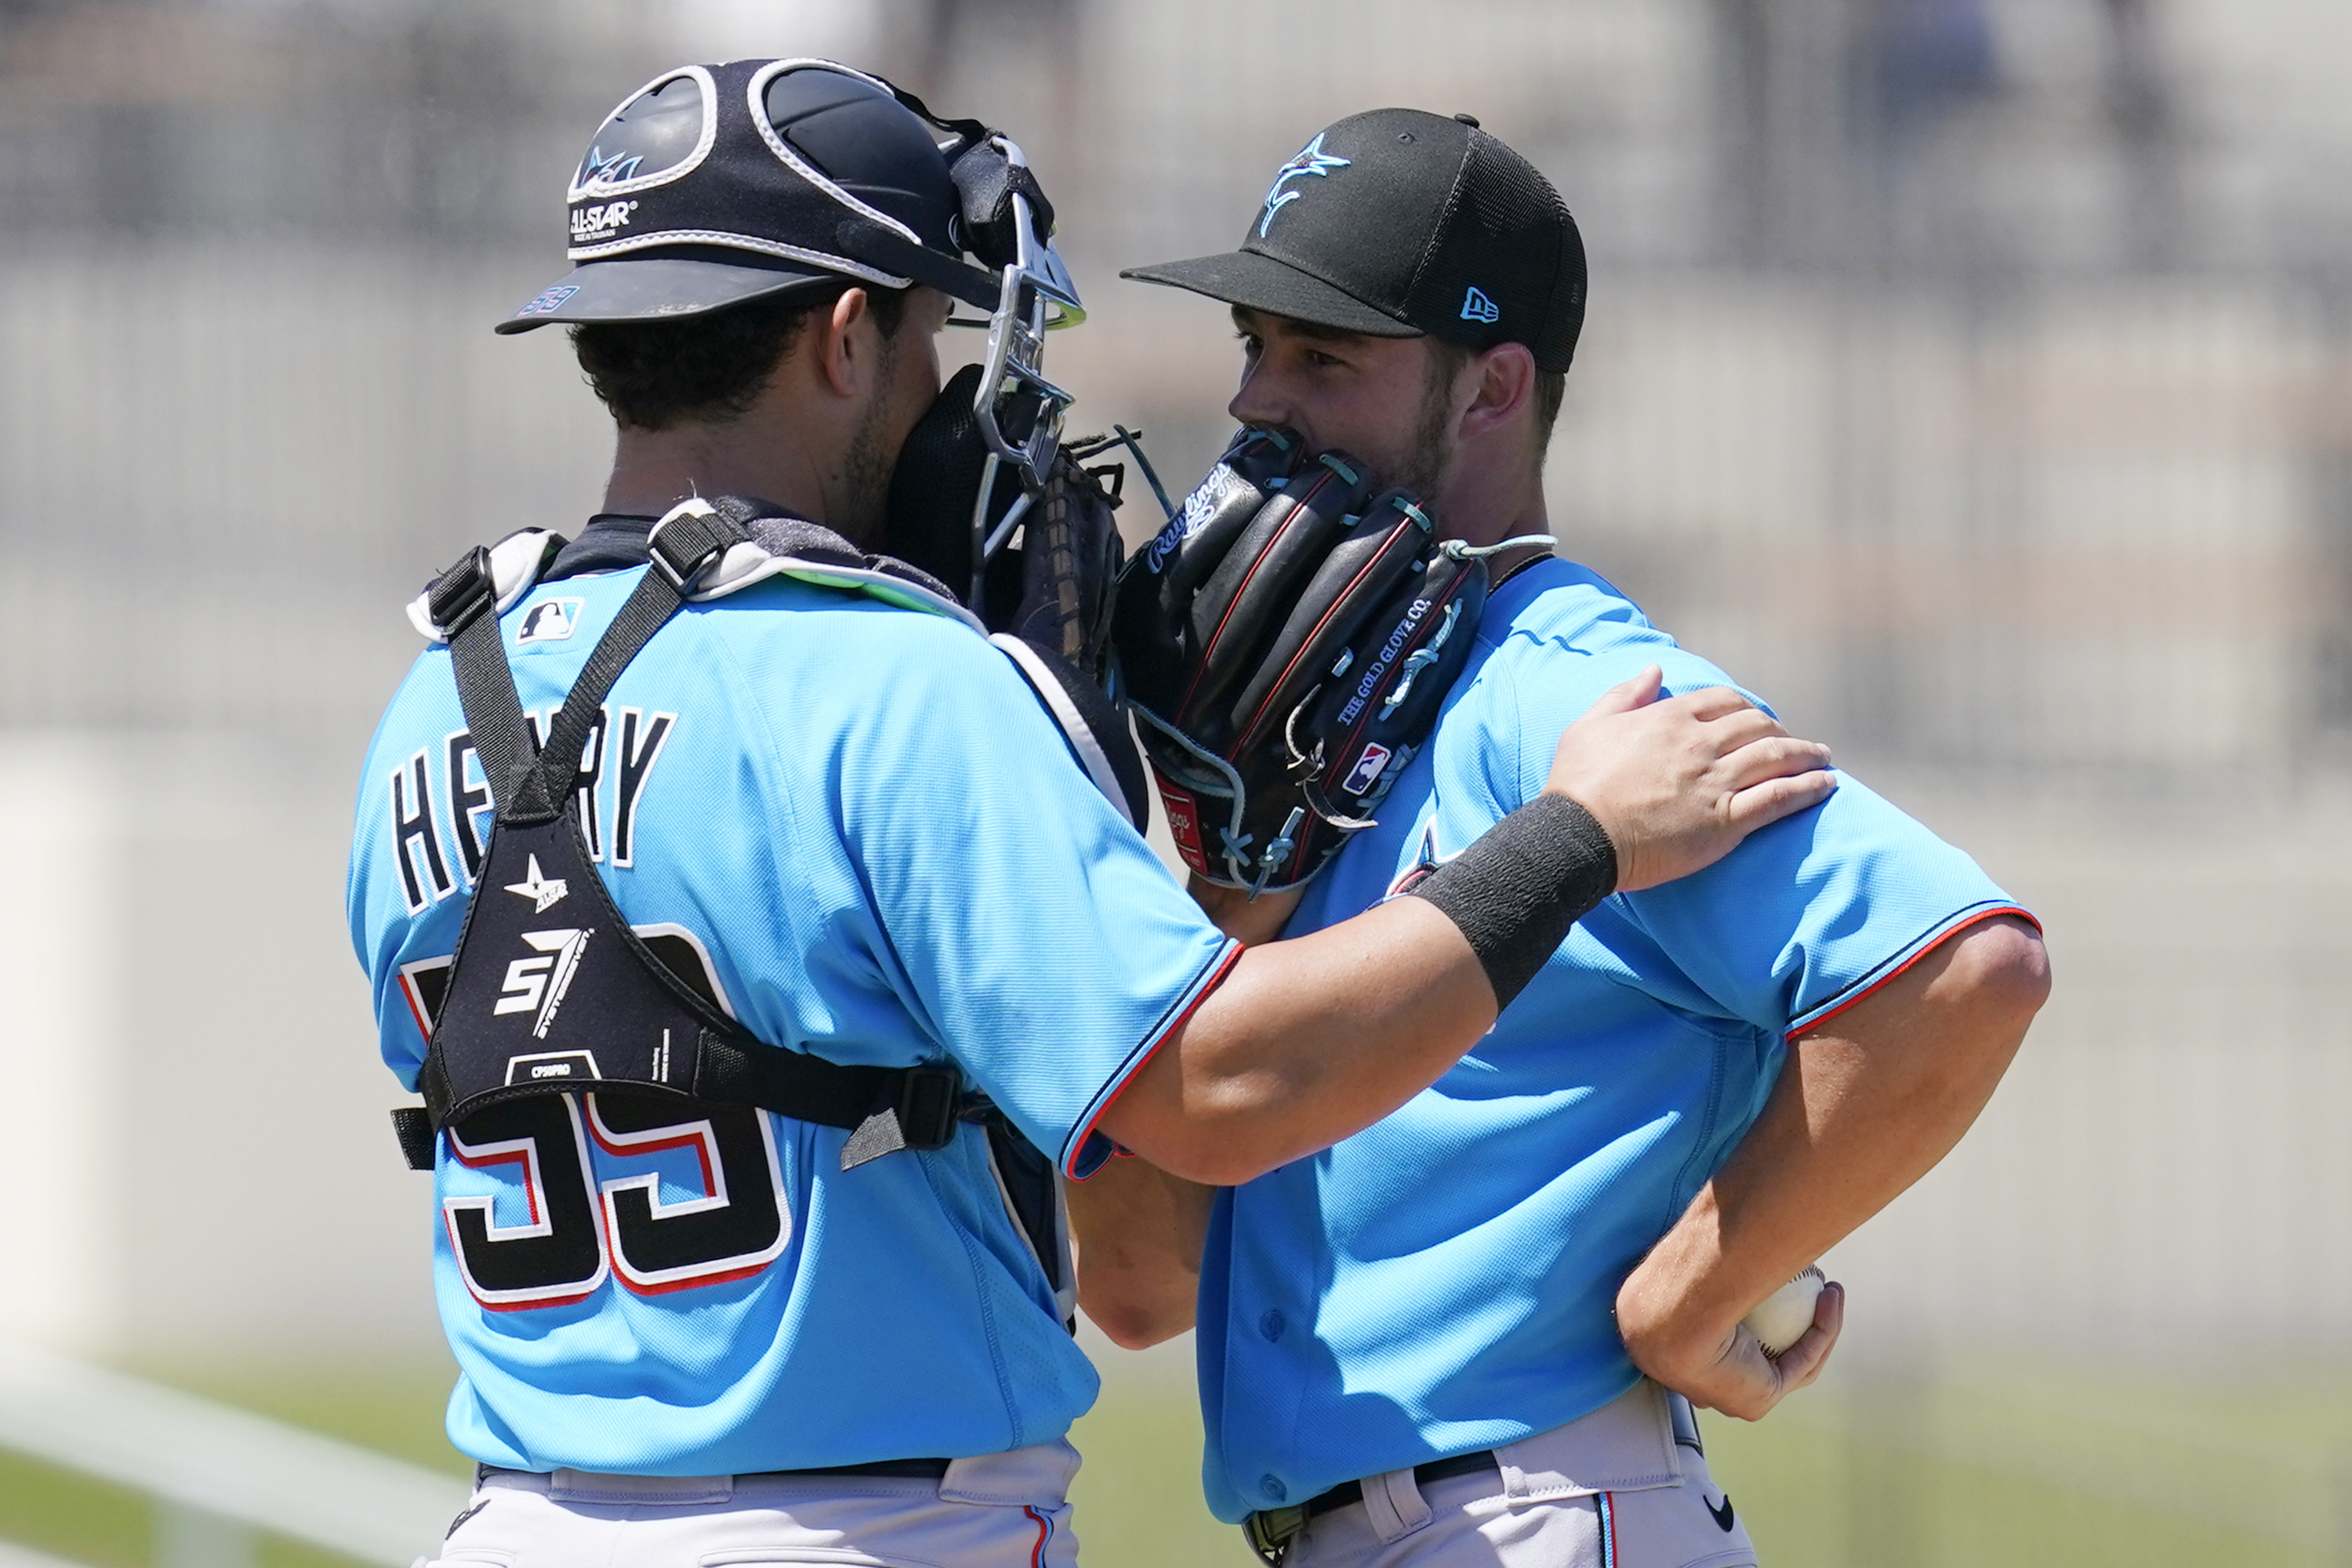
[661, 288]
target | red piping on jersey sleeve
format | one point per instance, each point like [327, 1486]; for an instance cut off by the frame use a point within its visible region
[1974, 918]
[1215, 978]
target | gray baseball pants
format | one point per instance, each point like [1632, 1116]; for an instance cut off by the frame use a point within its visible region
[1619, 1488]
[998, 1510]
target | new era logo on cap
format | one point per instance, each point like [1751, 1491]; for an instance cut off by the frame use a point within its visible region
[1476, 307]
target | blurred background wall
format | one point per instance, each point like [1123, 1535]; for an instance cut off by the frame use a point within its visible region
[1973, 378]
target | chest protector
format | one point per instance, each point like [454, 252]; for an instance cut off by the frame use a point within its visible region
[551, 991]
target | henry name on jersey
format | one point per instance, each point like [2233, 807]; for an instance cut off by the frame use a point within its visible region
[440, 796]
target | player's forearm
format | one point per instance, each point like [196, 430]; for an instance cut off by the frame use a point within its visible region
[1138, 1233]
[1864, 1107]
[1241, 917]
[1307, 1042]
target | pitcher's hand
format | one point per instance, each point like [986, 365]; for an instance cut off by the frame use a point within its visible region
[1726, 1371]
[1678, 783]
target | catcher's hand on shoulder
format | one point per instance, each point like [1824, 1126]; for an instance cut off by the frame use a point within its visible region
[1678, 783]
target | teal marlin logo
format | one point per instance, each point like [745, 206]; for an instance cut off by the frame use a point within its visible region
[1311, 160]
[597, 167]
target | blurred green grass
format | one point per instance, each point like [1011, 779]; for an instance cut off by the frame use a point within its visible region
[395, 1409]
[2011, 1462]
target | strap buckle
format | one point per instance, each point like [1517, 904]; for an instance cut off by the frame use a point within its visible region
[921, 1115]
[685, 543]
[927, 1106]
[462, 593]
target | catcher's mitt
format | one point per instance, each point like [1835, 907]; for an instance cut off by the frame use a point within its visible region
[1048, 600]
[1286, 643]
[1054, 589]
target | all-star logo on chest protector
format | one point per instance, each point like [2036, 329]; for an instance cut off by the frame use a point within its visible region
[549, 989]
[543, 892]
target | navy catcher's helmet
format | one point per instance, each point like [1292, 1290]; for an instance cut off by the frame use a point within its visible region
[716, 184]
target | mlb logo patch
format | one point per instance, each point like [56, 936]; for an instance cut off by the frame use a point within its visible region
[550, 620]
[549, 301]
[1367, 771]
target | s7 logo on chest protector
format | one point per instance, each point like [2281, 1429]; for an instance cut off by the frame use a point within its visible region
[541, 982]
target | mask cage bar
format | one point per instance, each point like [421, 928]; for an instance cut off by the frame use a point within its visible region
[1018, 410]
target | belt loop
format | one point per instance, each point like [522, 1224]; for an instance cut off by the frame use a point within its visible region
[1514, 1479]
[1395, 1505]
[1678, 1425]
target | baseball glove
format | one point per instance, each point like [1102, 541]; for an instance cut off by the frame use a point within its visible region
[1049, 603]
[1286, 644]
[1048, 599]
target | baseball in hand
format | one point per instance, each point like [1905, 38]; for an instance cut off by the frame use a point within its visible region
[1781, 1318]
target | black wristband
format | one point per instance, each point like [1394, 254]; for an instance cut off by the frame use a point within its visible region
[1517, 890]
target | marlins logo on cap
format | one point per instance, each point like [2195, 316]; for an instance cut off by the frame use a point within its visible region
[1311, 160]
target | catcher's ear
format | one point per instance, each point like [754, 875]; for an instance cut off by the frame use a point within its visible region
[1503, 390]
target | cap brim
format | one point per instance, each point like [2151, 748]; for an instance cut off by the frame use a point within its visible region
[1263, 283]
[658, 288]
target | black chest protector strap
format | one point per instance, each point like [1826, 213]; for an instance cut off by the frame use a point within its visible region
[550, 991]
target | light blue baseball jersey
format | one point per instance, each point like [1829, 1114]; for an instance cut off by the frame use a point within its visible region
[1443, 1282]
[862, 816]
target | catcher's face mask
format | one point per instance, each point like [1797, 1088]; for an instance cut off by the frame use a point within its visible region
[1016, 412]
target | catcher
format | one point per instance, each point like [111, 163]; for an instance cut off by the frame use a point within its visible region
[1475, 1332]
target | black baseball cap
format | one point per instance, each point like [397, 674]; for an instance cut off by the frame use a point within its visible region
[1399, 223]
[716, 183]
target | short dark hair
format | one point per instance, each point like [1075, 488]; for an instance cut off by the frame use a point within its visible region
[1448, 359]
[709, 368]
[1551, 390]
